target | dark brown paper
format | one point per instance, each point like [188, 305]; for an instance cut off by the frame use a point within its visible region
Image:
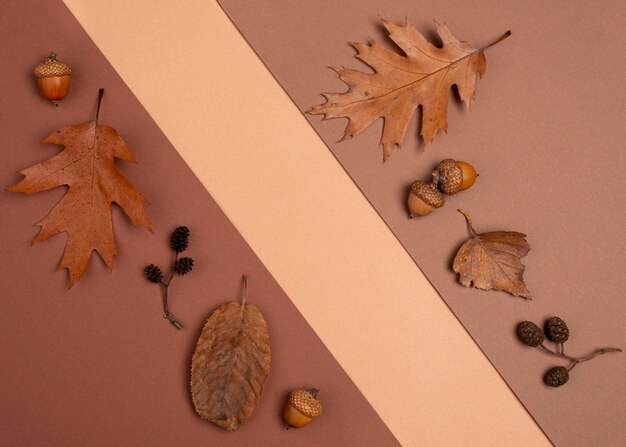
[98, 365]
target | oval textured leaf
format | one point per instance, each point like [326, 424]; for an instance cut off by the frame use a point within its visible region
[491, 261]
[230, 365]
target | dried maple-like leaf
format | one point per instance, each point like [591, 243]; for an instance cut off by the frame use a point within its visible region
[230, 364]
[402, 83]
[491, 261]
[87, 167]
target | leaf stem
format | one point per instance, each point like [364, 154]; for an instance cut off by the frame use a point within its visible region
[498, 40]
[469, 223]
[593, 355]
[100, 95]
[244, 293]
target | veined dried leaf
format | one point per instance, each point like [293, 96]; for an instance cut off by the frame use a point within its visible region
[230, 365]
[87, 167]
[491, 261]
[402, 83]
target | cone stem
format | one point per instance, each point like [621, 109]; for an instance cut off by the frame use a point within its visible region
[593, 355]
[166, 311]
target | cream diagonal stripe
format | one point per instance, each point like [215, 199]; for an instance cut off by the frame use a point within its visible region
[309, 224]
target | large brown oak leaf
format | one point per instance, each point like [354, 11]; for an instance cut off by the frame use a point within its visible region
[402, 83]
[492, 261]
[87, 167]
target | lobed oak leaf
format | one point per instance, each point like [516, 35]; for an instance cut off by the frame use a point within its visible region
[87, 167]
[492, 261]
[400, 84]
[230, 364]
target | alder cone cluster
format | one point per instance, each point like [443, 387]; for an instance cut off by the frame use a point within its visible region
[230, 365]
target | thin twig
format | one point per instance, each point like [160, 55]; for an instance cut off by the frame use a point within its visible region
[572, 366]
[166, 312]
[580, 359]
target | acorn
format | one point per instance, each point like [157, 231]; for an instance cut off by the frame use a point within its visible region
[454, 176]
[302, 407]
[423, 198]
[53, 78]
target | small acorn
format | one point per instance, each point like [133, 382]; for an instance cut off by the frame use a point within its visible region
[302, 407]
[424, 197]
[53, 78]
[454, 176]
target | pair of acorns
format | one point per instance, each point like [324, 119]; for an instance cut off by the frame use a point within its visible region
[449, 177]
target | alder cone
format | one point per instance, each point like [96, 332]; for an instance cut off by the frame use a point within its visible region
[230, 365]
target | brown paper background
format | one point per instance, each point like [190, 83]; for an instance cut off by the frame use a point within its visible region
[98, 365]
[340, 265]
[546, 134]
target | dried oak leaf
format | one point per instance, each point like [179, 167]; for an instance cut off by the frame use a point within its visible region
[87, 167]
[402, 83]
[491, 261]
[230, 365]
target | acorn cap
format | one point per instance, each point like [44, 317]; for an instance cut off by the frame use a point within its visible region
[557, 330]
[530, 333]
[556, 376]
[52, 67]
[305, 401]
[450, 176]
[428, 192]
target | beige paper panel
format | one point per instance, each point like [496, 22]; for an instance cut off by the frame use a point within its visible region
[309, 224]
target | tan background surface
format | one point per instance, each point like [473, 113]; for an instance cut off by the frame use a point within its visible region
[309, 224]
